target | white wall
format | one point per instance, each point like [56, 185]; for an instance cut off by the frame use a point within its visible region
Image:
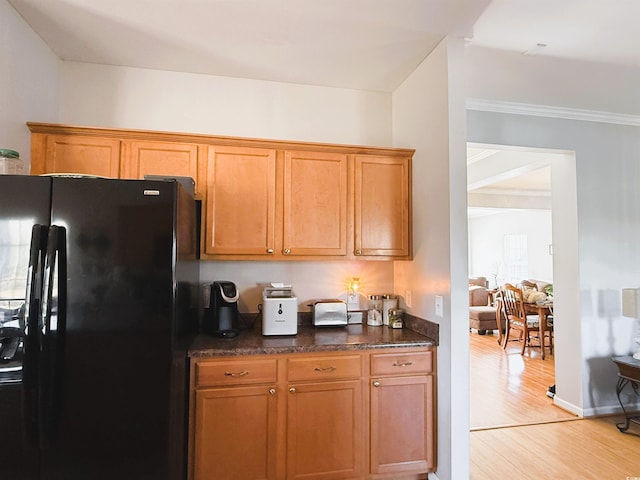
[566, 274]
[107, 96]
[28, 82]
[486, 244]
[543, 80]
[428, 115]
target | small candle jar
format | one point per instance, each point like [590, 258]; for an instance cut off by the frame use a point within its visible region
[389, 302]
[396, 318]
[374, 314]
[10, 162]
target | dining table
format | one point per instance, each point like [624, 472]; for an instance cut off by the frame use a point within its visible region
[543, 310]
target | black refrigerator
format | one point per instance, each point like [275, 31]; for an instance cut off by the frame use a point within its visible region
[98, 303]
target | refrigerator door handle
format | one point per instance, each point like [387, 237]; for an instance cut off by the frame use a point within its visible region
[33, 296]
[51, 329]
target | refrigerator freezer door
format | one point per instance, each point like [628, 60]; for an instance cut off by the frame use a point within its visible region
[116, 417]
[24, 202]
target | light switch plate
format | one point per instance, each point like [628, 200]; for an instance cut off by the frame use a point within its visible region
[407, 298]
[439, 306]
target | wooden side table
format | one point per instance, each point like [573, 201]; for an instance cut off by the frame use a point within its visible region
[628, 373]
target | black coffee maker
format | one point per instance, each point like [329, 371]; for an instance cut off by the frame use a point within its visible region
[221, 311]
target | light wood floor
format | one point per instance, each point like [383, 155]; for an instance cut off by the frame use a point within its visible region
[518, 433]
[508, 388]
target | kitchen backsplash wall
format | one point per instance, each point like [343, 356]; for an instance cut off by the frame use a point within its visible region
[310, 280]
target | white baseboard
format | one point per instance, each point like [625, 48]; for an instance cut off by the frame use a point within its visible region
[610, 410]
[613, 409]
[569, 407]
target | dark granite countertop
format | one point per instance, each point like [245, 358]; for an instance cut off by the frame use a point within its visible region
[309, 339]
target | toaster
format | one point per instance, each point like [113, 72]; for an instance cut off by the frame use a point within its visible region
[279, 311]
[329, 313]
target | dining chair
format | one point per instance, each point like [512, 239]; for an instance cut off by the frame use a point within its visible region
[501, 320]
[513, 304]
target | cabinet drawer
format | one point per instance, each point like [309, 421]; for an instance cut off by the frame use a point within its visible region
[234, 372]
[327, 367]
[399, 363]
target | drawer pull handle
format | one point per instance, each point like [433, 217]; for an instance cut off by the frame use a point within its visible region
[325, 369]
[405, 364]
[272, 391]
[292, 389]
[239, 374]
[269, 250]
[376, 383]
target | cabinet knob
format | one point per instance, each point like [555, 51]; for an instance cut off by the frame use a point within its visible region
[292, 389]
[269, 250]
[376, 383]
[286, 251]
[358, 252]
[272, 391]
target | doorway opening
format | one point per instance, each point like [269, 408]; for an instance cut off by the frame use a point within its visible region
[523, 225]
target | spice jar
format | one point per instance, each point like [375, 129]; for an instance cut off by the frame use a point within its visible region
[389, 302]
[396, 318]
[374, 314]
[10, 162]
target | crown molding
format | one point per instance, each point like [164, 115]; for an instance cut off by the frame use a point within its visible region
[552, 112]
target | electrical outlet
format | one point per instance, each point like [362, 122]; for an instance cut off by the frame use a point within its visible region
[407, 297]
[439, 306]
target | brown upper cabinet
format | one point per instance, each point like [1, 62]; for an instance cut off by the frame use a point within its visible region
[261, 199]
[382, 206]
[261, 202]
[84, 155]
[240, 209]
[140, 158]
[315, 199]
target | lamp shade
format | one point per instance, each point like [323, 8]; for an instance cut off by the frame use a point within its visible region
[631, 302]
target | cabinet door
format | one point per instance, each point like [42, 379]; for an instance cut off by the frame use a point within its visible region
[240, 217]
[324, 430]
[382, 206]
[401, 425]
[235, 433]
[160, 158]
[79, 154]
[315, 204]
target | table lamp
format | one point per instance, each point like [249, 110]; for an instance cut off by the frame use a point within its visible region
[631, 308]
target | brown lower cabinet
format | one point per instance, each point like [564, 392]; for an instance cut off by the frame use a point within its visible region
[236, 434]
[337, 415]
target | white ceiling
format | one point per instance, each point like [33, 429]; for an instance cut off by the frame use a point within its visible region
[600, 31]
[500, 178]
[360, 44]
